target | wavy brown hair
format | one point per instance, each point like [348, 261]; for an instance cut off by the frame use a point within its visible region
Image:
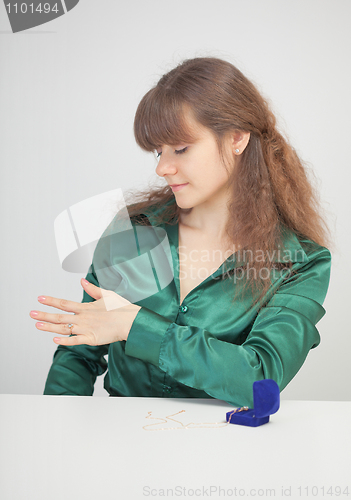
[269, 186]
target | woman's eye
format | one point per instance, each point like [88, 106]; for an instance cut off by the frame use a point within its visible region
[180, 151]
[177, 152]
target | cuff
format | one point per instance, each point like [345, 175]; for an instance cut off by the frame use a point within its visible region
[146, 335]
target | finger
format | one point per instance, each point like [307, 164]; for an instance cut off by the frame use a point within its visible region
[61, 329]
[64, 305]
[55, 318]
[111, 299]
[71, 341]
[92, 290]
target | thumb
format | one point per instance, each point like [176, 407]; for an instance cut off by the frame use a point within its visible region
[92, 290]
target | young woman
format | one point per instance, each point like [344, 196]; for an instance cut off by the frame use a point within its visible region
[247, 253]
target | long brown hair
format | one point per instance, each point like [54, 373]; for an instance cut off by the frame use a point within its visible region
[270, 187]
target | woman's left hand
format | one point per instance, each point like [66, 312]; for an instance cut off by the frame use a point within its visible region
[107, 319]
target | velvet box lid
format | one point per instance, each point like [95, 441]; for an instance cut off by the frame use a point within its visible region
[266, 398]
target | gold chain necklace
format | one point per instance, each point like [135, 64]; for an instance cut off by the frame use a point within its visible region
[190, 425]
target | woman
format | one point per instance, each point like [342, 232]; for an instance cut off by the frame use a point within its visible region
[247, 248]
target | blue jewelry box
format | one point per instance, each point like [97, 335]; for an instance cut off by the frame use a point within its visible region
[266, 397]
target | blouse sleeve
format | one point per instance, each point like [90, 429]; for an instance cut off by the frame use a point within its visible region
[75, 368]
[281, 336]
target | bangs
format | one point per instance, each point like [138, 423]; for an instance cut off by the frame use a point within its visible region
[160, 120]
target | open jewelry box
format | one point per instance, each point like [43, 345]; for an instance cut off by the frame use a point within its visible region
[266, 397]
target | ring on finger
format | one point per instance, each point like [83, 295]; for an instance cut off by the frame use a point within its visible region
[70, 326]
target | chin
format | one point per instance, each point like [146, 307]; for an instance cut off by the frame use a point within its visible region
[184, 205]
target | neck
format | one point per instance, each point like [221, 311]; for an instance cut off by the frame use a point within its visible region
[207, 220]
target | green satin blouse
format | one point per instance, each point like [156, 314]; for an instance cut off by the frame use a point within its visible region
[206, 347]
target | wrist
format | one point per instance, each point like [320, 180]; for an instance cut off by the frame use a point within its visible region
[134, 309]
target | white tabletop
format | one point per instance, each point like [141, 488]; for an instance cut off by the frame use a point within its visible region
[65, 447]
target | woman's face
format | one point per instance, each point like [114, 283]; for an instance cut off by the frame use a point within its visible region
[199, 166]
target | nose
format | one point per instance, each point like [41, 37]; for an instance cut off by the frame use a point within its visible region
[166, 166]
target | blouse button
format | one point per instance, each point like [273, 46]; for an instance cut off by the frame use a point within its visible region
[183, 309]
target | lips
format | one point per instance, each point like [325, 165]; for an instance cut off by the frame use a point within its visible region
[178, 187]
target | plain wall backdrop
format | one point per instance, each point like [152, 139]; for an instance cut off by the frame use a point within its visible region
[69, 90]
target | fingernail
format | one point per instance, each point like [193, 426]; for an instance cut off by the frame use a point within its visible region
[57, 340]
[41, 298]
[34, 313]
[86, 282]
[40, 324]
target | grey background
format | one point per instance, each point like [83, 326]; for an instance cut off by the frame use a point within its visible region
[68, 93]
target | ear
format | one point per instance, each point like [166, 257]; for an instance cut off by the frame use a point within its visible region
[240, 140]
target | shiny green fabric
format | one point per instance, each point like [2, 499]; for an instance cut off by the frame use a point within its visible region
[205, 347]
